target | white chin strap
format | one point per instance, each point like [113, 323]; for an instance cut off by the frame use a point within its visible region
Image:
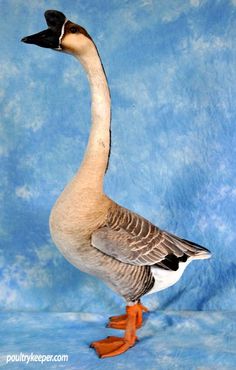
[61, 35]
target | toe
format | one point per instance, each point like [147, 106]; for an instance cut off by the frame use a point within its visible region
[111, 346]
[106, 346]
[117, 350]
[117, 325]
[118, 318]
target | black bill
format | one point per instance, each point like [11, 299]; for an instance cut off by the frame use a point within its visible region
[49, 38]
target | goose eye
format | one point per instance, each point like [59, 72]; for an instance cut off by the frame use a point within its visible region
[73, 29]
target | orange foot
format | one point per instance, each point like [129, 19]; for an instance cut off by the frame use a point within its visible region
[113, 346]
[120, 322]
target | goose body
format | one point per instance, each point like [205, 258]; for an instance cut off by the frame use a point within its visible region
[95, 234]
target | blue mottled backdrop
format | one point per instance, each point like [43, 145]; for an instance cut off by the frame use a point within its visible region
[171, 67]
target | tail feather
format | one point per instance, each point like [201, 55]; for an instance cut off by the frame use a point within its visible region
[196, 250]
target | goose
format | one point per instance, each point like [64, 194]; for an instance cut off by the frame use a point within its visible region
[95, 234]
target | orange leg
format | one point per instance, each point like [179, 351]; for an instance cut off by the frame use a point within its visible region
[119, 322]
[113, 346]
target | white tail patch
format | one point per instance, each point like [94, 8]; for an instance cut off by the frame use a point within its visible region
[166, 278]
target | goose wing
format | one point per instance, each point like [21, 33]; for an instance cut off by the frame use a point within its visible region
[132, 239]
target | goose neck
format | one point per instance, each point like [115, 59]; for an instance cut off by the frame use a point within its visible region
[95, 162]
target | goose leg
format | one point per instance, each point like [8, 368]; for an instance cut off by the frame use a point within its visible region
[119, 322]
[113, 346]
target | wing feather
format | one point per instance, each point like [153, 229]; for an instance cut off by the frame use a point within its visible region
[132, 239]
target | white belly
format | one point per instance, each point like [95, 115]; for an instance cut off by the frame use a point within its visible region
[166, 278]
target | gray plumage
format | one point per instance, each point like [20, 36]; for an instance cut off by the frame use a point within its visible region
[132, 239]
[136, 242]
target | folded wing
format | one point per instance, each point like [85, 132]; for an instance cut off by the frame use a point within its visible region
[132, 239]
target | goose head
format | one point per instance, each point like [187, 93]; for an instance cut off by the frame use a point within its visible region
[61, 35]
